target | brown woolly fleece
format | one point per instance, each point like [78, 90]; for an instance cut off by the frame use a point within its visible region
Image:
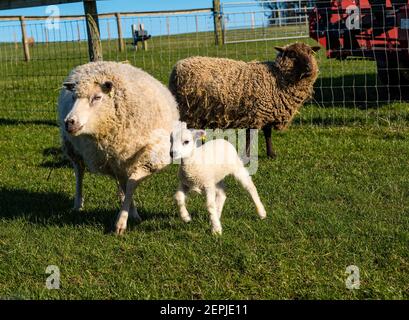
[225, 93]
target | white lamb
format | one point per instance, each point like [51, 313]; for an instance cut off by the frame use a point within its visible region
[203, 168]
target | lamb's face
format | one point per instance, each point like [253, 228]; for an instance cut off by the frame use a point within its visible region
[298, 60]
[183, 141]
[89, 107]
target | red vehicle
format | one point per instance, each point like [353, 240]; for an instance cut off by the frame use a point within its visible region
[375, 29]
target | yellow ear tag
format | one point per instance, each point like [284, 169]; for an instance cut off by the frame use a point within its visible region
[111, 93]
[203, 139]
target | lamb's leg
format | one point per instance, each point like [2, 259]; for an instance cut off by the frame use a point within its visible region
[244, 178]
[133, 212]
[269, 146]
[220, 198]
[180, 197]
[212, 208]
[131, 184]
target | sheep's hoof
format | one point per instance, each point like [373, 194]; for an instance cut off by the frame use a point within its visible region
[186, 218]
[262, 214]
[120, 227]
[135, 215]
[217, 232]
[78, 205]
[119, 231]
[272, 155]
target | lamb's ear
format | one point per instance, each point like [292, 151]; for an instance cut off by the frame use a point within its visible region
[70, 86]
[107, 86]
[198, 134]
[315, 48]
[279, 49]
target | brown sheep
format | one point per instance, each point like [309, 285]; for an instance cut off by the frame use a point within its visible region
[224, 93]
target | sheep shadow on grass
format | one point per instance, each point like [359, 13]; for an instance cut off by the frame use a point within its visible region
[11, 121]
[54, 158]
[54, 208]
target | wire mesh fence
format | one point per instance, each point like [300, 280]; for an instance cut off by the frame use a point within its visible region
[274, 20]
[362, 67]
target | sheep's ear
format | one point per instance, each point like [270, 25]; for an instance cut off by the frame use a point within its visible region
[198, 134]
[70, 86]
[279, 49]
[315, 48]
[107, 86]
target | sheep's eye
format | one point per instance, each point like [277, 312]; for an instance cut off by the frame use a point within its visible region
[96, 98]
[186, 142]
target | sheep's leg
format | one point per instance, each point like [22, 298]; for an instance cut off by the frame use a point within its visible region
[133, 212]
[248, 142]
[180, 197]
[212, 209]
[79, 177]
[220, 198]
[244, 178]
[79, 169]
[269, 146]
[131, 184]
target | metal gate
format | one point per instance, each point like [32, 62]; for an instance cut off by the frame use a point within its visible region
[264, 20]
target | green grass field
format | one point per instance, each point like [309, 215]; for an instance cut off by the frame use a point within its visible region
[337, 195]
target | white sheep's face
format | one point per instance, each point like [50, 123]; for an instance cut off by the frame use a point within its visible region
[183, 141]
[86, 108]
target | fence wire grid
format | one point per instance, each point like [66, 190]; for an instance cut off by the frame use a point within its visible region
[362, 62]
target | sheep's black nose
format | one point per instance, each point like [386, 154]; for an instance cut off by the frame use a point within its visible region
[69, 123]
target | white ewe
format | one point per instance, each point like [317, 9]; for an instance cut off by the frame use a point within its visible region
[116, 120]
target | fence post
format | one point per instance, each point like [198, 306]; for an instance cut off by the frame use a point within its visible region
[78, 32]
[46, 36]
[119, 26]
[306, 18]
[15, 41]
[24, 38]
[217, 22]
[94, 43]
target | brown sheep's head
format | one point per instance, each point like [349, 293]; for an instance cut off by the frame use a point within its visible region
[297, 61]
[92, 103]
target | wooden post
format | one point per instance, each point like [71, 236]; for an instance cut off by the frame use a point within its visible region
[119, 27]
[24, 39]
[217, 16]
[94, 43]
